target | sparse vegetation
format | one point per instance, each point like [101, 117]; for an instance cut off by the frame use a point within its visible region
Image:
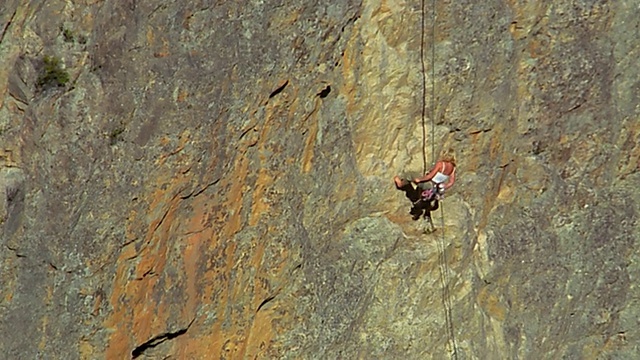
[52, 74]
[116, 135]
[67, 34]
[71, 37]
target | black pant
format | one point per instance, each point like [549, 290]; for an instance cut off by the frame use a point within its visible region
[420, 206]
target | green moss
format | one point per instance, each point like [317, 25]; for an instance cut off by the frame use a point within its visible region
[52, 73]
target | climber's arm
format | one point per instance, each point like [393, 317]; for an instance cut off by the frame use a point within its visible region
[427, 177]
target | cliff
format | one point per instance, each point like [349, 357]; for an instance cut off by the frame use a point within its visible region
[212, 179]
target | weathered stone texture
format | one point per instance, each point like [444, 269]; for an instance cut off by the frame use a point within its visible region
[214, 179]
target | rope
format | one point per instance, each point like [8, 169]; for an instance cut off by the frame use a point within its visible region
[433, 80]
[442, 251]
[424, 86]
[446, 295]
[424, 95]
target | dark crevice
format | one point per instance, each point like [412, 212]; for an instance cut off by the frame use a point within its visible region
[147, 273]
[324, 92]
[205, 187]
[296, 268]
[265, 302]
[15, 251]
[157, 340]
[573, 107]
[157, 226]
[166, 213]
[152, 13]
[6, 26]
[480, 131]
[128, 242]
[246, 132]
[279, 89]
[199, 191]
[351, 20]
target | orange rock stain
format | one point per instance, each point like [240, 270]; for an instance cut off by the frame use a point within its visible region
[222, 287]
[308, 152]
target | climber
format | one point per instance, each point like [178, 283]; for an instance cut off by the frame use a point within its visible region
[443, 175]
[425, 198]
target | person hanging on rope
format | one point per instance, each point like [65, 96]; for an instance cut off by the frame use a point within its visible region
[425, 197]
[442, 175]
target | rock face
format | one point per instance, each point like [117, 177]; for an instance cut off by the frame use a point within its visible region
[212, 179]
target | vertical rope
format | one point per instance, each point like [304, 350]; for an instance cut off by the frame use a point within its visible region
[446, 295]
[424, 86]
[433, 80]
[442, 251]
[424, 93]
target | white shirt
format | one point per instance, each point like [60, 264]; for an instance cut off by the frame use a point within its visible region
[439, 177]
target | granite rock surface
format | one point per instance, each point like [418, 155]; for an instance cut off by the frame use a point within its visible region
[212, 179]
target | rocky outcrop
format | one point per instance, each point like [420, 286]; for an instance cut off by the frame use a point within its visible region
[213, 179]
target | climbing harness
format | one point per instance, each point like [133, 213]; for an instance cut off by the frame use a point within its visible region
[435, 192]
[425, 199]
[427, 195]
